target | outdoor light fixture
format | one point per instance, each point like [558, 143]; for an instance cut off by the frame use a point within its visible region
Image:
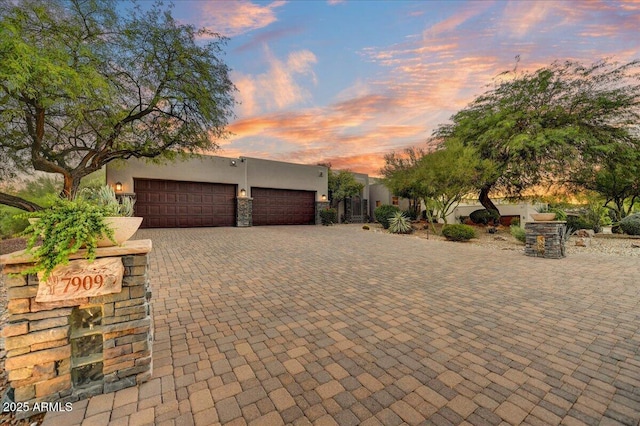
[233, 163]
[320, 174]
[118, 186]
[324, 197]
[243, 192]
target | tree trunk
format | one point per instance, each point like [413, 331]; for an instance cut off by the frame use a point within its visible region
[19, 203]
[485, 200]
[71, 185]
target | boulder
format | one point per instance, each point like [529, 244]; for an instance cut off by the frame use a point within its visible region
[584, 233]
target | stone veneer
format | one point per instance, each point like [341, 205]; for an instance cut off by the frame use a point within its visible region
[42, 340]
[244, 212]
[545, 239]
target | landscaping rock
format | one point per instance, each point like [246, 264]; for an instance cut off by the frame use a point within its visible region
[584, 233]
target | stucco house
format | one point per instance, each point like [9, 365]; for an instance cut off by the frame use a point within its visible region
[220, 191]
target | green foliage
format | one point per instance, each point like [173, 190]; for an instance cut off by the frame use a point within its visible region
[447, 175]
[328, 216]
[105, 198]
[399, 176]
[88, 82]
[518, 233]
[562, 123]
[484, 216]
[411, 214]
[631, 224]
[560, 214]
[458, 232]
[342, 185]
[515, 222]
[400, 224]
[64, 228]
[383, 213]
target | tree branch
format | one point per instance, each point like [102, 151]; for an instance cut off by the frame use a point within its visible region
[19, 203]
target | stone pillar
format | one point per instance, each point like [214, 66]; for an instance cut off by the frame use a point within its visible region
[244, 212]
[86, 342]
[545, 239]
[320, 205]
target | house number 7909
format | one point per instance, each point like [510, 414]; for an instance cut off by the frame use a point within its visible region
[81, 278]
[86, 283]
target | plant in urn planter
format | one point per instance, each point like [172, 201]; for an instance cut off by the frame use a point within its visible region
[89, 221]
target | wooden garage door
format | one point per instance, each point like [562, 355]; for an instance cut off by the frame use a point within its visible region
[178, 204]
[283, 207]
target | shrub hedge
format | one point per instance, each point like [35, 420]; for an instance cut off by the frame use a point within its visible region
[458, 232]
[631, 224]
[328, 216]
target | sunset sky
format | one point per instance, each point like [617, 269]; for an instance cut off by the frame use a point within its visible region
[347, 81]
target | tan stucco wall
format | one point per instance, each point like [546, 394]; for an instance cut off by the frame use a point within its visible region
[276, 174]
[246, 173]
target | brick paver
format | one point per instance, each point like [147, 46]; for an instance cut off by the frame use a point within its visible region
[336, 325]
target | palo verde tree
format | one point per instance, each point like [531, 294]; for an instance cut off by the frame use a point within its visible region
[82, 85]
[342, 185]
[399, 177]
[447, 175]
[545, 126]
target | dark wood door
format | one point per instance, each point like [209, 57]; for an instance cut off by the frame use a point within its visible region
[283, 207]
[178, 204]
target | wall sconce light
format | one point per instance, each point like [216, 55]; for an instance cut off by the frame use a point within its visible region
[243, 192]
[118, 186]
[324, 197]
[320, 174]
[233, 163]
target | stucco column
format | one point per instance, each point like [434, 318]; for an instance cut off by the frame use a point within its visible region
[244, 212]
[320, 205]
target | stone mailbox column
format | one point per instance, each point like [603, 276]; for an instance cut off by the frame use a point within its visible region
[87, 330]
[244, 212]
[545, 239]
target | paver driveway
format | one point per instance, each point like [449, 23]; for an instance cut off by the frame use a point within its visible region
[326, 325]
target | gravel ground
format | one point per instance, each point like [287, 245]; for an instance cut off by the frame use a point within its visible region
[606, 245]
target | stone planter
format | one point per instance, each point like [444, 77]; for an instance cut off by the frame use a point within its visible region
[543, 217]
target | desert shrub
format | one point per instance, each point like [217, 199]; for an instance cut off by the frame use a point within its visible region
[560, 214]
[328, 216]
[365, 227]
[518, 233]
[631, 224]
[400, 224]
[484, 216]
[515, 222]
[11, 223]
[411, 214]
[383, 213]
[462, 219]
[458, 232]
[583, 222]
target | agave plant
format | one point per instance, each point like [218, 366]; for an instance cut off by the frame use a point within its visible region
[105, 197]
[400, 224]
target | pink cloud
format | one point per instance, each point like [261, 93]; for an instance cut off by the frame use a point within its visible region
[278, 88]
[232, 18]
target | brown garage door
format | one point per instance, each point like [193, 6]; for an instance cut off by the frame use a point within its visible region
[177, 204]
[283, 207]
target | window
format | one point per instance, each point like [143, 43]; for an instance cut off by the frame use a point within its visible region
[395, 201]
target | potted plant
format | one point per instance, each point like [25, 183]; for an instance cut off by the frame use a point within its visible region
[89, 221]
